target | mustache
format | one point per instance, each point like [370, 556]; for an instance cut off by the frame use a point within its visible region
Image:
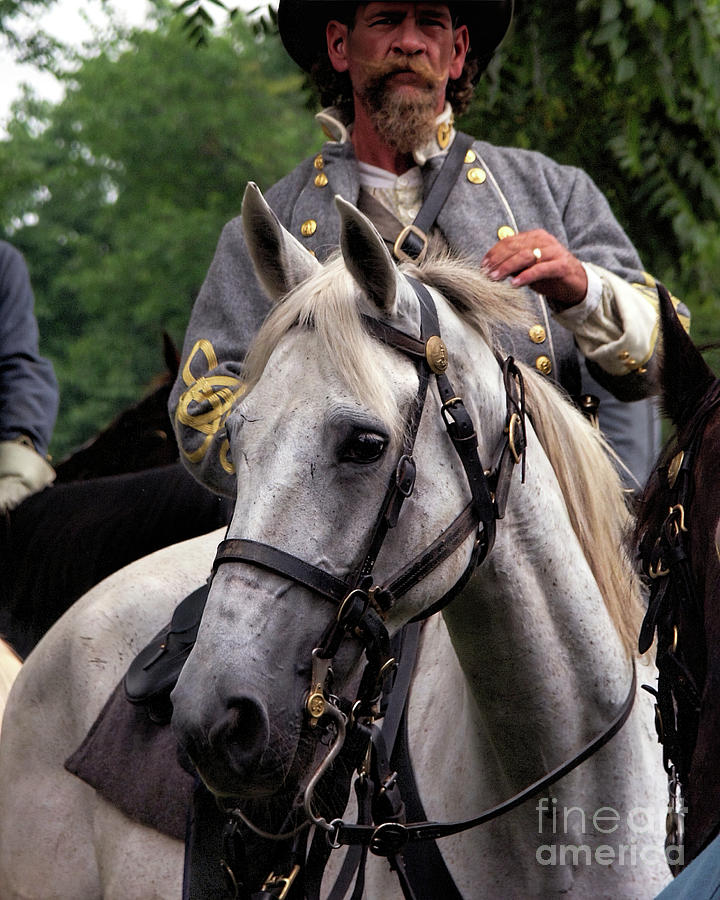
[378, 73]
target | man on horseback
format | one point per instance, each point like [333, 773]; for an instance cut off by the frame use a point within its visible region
[397, 73]
[29, 389]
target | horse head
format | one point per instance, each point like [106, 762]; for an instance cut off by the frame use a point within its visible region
[315, 442]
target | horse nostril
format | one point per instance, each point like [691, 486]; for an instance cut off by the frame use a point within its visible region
[241, 734]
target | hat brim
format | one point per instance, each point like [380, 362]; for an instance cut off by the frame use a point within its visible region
[302, 26]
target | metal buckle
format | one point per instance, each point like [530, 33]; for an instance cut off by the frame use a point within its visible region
[400, 254]
[675, 823]
[515, 423]
[333, 833]
[273, 881]
[352, 608]
[388, 839]
[316, 702]
[405, 475]
[676, 519]
[445, 410]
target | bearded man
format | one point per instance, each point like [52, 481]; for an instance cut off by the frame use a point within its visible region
[395, 74]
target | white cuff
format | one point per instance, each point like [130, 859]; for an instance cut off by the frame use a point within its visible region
[573, 317]
[620, 333]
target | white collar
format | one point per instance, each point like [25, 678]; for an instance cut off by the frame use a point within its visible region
[336, 130]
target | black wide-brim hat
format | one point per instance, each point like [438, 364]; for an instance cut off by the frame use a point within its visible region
[302, 26]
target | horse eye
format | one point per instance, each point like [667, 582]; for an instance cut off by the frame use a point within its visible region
[363, 447]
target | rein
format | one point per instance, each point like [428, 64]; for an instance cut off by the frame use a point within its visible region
[363, 606]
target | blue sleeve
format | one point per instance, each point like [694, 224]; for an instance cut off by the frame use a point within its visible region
[28, 387]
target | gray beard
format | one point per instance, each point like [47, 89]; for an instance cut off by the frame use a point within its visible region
[401, 123]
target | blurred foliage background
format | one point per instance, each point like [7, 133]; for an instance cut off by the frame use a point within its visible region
[117, 193]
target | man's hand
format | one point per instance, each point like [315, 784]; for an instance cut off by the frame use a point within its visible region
[538, 260]
[22, 472]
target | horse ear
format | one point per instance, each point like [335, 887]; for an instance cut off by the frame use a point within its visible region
[281, 262]
[685, 375]
[367, 257]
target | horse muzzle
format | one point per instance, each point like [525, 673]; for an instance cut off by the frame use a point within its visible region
[229, 743]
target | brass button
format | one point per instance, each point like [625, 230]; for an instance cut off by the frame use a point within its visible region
[319, 162]
[436, 354]
[443, 134]
[470, 156]
[505, 231]
[537, 334]
[476, 176]
[308, 228]
[631, 363]
[543, 364]
[321, 179]
[623, 355]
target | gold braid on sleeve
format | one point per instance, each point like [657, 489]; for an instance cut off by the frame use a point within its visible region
[205, 405]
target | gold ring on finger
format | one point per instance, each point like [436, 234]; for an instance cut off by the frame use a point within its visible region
[537, 253]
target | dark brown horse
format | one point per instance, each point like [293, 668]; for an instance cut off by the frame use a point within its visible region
[677, 540]
[122, 495]
[141, 437]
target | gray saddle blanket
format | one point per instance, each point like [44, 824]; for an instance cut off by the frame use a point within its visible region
[132, 762]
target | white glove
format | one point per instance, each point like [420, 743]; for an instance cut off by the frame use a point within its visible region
[22, 472]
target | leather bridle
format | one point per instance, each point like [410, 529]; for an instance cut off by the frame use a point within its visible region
[676, 615]
[363, 605]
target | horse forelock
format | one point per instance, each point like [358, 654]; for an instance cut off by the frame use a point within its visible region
[331, 304]
[595, 500]
[486, 306]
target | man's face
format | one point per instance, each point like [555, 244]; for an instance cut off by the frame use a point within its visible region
[406, 50]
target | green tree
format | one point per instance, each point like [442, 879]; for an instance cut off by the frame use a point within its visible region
[32, 45]
[117, 196]
[630, 91]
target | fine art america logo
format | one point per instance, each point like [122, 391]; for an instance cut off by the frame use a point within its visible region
[612, 837]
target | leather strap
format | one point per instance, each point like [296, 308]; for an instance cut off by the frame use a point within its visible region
[410, 241]
[267, 557]
[423, 831]
[443, 184]
[404, 648]
[412, 245]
